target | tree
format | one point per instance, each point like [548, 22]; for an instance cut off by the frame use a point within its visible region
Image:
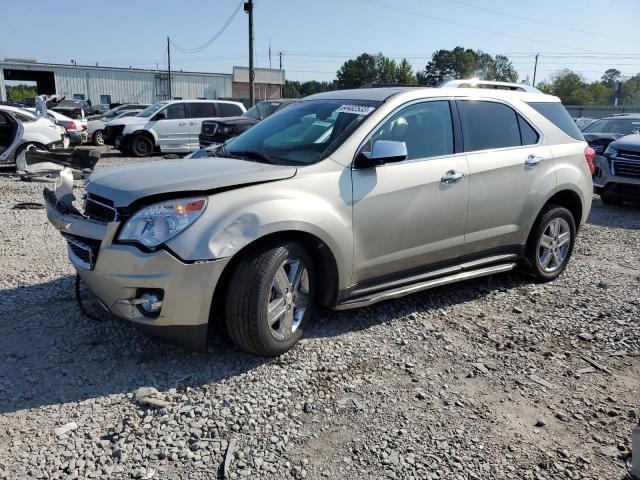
[631, 91]
[404, 73]
[611, 76]
[291, 89]
[295, 89]
[570, 87]
[466, 63]
[369, 69]
[20, 92]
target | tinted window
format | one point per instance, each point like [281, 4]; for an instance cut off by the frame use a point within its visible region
[202, 110]
[175, 111]
[528, 135]
[489, 125]
[558, 115]
[23, 118]
[625, 126]
[425, 128]
[229, 110]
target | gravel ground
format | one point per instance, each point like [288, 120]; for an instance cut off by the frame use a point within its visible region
[492, 378]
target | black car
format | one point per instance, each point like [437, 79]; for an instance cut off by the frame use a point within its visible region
[215, 132]
[605, 130]
[617, 174]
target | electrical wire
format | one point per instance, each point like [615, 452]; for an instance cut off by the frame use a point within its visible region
[212, 39]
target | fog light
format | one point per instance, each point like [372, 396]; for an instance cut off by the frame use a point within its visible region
[149, 302]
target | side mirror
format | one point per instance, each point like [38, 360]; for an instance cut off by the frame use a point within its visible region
[159, 116]
[383, 151]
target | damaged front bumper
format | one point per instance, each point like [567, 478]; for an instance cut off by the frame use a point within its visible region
[121, 275]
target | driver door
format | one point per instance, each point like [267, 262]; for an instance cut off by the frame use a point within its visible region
[408, 216]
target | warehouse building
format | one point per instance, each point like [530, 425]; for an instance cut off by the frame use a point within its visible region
[104, 85]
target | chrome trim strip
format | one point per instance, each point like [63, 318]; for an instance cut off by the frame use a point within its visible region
[402, 291]
[494, 259]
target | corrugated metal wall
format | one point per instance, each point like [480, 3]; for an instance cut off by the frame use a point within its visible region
[141, 86]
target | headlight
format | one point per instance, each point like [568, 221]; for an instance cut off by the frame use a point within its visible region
[610, 151]
[158, 223]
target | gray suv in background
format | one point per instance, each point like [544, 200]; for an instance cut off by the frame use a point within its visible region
[344, 199]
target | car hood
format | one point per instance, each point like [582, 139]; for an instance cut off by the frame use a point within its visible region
[125, 185]
[629, 143]
[128, 121]
[235, 121]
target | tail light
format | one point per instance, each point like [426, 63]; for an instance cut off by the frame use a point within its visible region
[590, 157]
[70, 126]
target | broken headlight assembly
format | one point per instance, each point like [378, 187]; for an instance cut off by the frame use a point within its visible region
[158, 223]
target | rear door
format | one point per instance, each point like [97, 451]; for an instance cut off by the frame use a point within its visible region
[511, 171]
[199, 111]
[11, 131]
[173, 130]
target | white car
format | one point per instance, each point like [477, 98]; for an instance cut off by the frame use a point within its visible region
[37, 131]
[75, 128]
[95, 128]
[169, 127]
[11, 131]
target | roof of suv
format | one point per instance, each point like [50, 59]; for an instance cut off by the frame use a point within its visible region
[382, 94]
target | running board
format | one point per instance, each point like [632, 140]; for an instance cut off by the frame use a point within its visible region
[418, 287]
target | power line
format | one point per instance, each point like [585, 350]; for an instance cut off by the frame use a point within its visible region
[541, 22]
[466, 25]
[212, 39]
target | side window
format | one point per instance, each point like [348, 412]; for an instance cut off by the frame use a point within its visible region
[488, 125]
[202, 110]
[229, 110]
[528, 135]
[23, 118]
[425, 128]
[175, 111]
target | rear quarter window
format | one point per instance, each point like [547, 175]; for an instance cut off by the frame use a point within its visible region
[229, 110]
[558, 115]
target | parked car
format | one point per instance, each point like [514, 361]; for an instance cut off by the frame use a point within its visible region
[113, 112]
[11, 133]
[167, 127]
[604, 131]
[617, 174]
[344, 199]
[75, 129]
[97, 125]
[583, 122]
[38, 131]
[75, 109]
[215, 132]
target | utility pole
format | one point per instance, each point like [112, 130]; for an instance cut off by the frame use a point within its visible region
[248, 7]
[280, 60]
[535, 69]
[169, 65]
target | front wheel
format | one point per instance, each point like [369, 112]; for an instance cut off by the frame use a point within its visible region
[550, 243]
[271, 295]
[98, 138]
[141, 146]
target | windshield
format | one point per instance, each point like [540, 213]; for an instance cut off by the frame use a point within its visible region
[624, 126]
[150, 110]
[303, 133]
[262, 109]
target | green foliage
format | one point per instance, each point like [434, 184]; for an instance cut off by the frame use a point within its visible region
[370, 69]
[20, 92]
[466, 63]
[574, 90]
[295, 89]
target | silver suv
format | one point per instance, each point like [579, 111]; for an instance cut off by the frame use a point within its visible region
[344, 199]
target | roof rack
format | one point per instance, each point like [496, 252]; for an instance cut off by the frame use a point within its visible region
[390, 85]
[475, 83]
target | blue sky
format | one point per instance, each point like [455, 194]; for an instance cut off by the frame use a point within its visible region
[317, 36]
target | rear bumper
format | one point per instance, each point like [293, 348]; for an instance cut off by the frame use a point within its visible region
[119, 273]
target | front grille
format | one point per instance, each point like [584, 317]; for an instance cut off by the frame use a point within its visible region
[100, 209]
[626, 168]
[85, 250]
[633, 156]
[111, 133]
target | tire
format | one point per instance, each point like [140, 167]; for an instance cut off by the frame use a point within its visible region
[609, 200]
[264, 278]
[141, 146]
[98, 139]
[545, 262]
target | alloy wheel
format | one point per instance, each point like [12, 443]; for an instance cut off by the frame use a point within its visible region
[288, 299]
[554, 245]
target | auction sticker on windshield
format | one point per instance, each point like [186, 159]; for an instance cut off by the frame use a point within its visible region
[355, 109]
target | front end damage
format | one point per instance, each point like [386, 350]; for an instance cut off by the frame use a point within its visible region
[155, 291]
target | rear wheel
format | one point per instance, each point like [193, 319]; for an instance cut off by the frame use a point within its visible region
[98, 138]
[609, 200]
[141, 146]
[271, 295]
[550, 243]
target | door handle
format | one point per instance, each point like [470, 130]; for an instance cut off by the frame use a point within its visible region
[532, 160]
[452, 177]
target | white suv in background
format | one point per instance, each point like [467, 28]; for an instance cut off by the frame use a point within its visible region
[168, 126]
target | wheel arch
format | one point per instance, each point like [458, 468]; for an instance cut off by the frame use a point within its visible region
[325, 262]
[570, 200]
[145, 133]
